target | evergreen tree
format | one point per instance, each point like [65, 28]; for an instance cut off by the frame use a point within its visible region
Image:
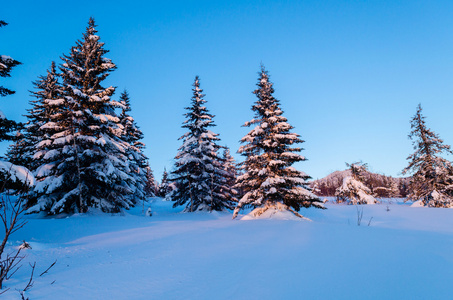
[228, 179]
[432, 179]
[17, 153]
[7, 127]
[353, 190]
[48, 98]
[85, 162]
[198, 166]
[11, 175]
[269, 179]
[137, 160]
[150, 187]
[164, 187]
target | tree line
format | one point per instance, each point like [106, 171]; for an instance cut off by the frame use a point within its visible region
[85, 150]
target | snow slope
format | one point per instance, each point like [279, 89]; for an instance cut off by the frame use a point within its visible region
[405, 253]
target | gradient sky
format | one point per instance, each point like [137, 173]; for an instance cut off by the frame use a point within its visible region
[349, 74]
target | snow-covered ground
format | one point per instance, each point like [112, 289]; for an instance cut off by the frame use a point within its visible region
[405, 253]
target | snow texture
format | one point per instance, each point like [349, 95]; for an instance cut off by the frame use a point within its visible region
[208, 256]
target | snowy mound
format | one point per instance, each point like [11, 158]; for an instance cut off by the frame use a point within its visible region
[278, 211]
[355, 191]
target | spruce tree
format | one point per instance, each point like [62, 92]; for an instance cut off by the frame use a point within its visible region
[269, 179]
[11, 175]
[353, 190]
[228, 179]
[150, 187]
[27, 150]
[8, 128]
[85, 162]
[17, 153]
[137, 160]
[164, 187]
[432, 175]
[198, 167]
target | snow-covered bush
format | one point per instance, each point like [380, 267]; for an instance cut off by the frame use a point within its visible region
[353, 190]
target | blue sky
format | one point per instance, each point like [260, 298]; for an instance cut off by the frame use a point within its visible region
[349, 74]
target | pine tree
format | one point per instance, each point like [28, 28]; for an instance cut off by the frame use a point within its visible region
[137, 160]
[353, 190]
[17, 153]
[11, 174]
[48, 96]
[84, 162]
[198, 166]
[164, 188]
[432, 179]
[228, 179]
[150, 187]
[269, 179]
[7, 127]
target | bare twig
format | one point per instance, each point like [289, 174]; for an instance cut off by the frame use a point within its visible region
[11, 216]
[30, 282]
[53, 264]
[10, 265]
[369, 223]
[359, 215]
[22, 295]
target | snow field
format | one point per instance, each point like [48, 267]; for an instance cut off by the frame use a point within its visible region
[405, 253]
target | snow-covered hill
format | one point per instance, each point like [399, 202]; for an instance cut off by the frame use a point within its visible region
[405, 253]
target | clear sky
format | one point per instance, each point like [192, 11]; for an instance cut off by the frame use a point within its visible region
[349, 74]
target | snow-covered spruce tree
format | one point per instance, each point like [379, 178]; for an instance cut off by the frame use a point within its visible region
[353, 190]
[84, 163]
[11, 176]
[198, 167]
[228, 179]
[151, 186]
[17, 152]
[138, 162]
[432, 175]
[8, 128]
[163, 189]
[47, 90]
[269, 180]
